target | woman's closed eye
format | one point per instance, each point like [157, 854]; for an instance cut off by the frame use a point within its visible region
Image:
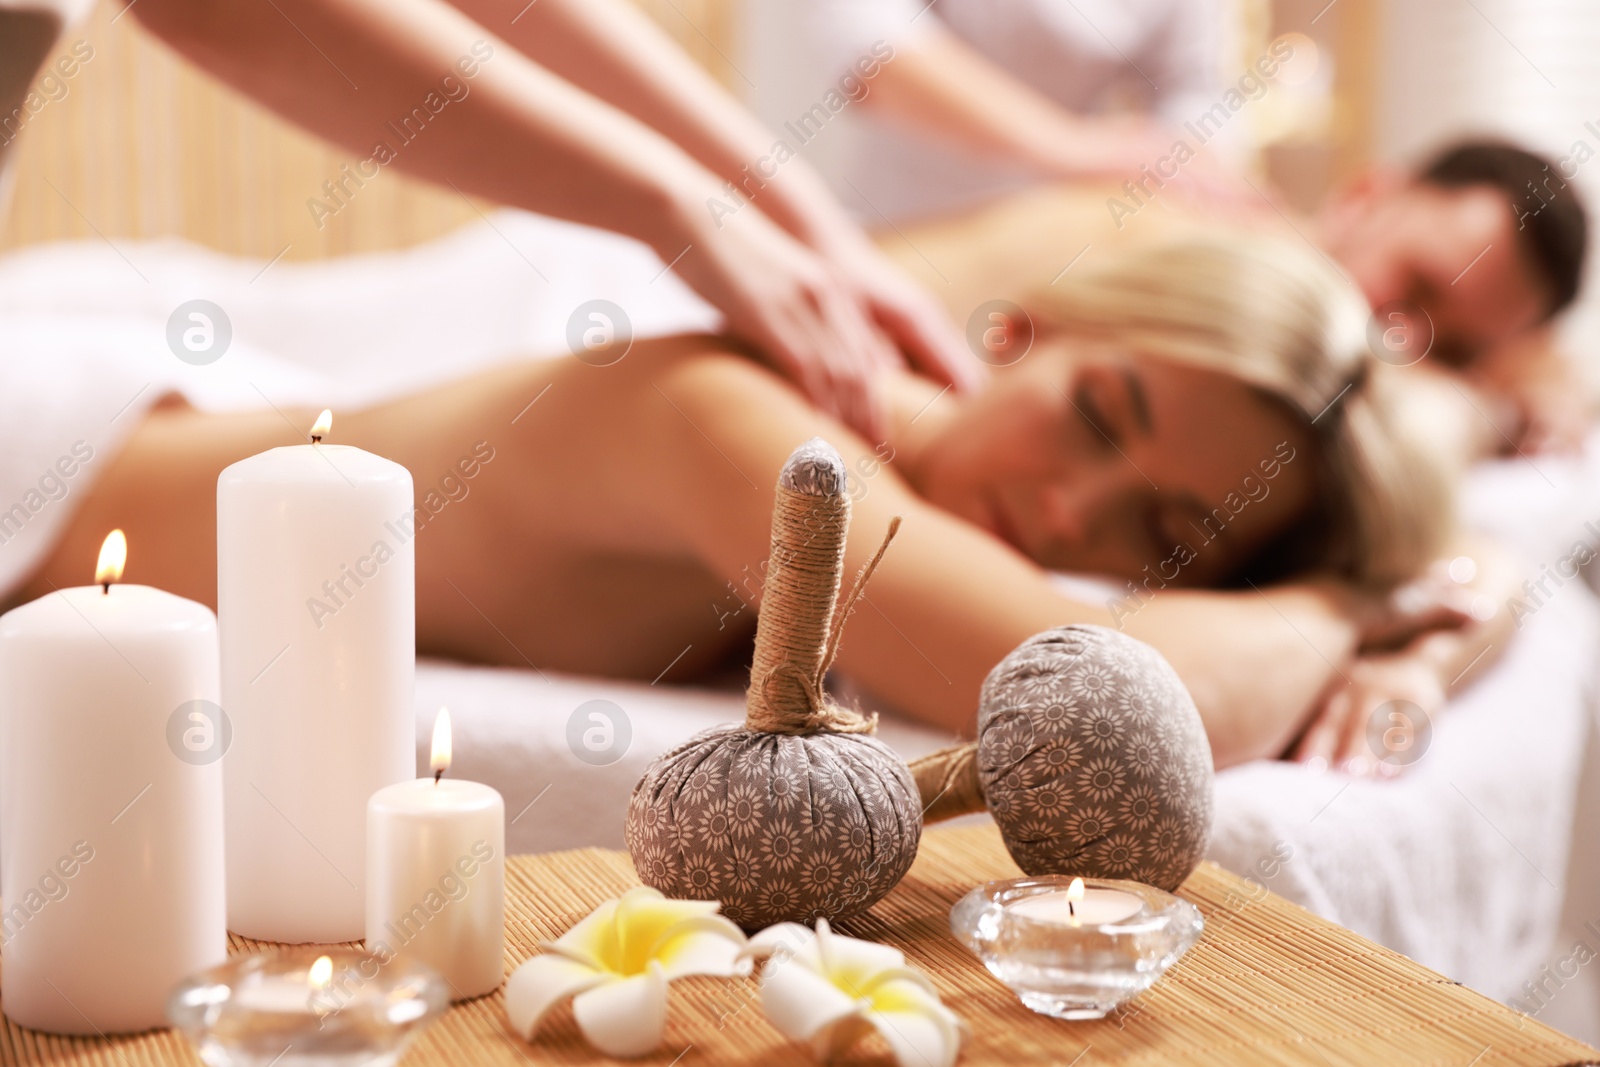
[1111, 402]
[1095, 411]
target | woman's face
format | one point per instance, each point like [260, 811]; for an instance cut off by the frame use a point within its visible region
[1105, 462]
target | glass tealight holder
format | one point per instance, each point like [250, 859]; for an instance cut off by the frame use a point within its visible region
[1077, 963]
[292, 1009]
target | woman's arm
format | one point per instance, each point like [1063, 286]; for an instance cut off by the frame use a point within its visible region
[949, 600]
[1422, 672]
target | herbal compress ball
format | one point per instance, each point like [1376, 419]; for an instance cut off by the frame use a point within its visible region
[799, 814]
[1091, 757]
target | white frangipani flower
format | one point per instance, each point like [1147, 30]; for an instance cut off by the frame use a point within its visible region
[828, 989]
[616, 964]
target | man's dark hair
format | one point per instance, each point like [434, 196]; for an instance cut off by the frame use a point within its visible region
[1551, 224]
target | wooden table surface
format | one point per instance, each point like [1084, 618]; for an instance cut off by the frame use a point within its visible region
[1268, 983]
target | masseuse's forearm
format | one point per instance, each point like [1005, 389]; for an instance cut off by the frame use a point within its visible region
[347, 69]
[614, 51]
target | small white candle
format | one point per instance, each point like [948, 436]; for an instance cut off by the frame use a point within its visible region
[436, 874]
[111, 841]
[288, 994]
[316, 596]
[1078, 906]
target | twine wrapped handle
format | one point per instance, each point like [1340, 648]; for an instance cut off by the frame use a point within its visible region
[798, 630]
[947, 781]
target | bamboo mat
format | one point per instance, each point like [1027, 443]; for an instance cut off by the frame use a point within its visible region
[1268, 984]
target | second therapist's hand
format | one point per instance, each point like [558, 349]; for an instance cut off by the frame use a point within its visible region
[787, 300]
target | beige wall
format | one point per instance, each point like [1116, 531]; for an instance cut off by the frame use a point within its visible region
[142, 145]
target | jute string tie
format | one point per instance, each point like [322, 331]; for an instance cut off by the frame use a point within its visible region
[798, 630]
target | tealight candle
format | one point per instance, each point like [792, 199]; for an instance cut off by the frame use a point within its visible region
[110, 803]
[1077, 906]
[1075, 950]
[436, 874]
[288, 1009]
[316, 597]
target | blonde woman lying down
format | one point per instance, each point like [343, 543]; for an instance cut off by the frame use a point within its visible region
[1201, 416]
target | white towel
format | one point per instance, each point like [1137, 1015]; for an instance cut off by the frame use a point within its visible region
[84, 348]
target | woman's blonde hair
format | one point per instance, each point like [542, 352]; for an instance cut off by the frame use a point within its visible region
[1281, 318]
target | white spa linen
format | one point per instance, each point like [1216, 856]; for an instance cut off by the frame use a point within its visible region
[84, 350]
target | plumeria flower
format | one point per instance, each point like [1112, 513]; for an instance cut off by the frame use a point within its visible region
[828, 989]
[616, 964]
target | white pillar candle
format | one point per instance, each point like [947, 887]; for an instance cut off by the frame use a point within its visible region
[436, 874]
[111, 841]
[1079, 906]
[316, 596]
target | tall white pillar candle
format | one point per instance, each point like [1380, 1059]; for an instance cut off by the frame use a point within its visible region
[436, 875]
[316, 598]
[111, 839]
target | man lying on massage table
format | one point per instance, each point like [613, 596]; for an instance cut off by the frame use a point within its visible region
[1202, 416]
[1476, 251]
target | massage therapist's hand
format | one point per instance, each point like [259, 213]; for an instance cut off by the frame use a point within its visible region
[1363, 707]
[784, 298]
[910, 317]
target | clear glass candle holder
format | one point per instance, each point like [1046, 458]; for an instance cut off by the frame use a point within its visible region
[284, 1009]
[1074, 969]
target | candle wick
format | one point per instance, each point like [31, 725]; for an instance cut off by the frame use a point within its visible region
[105, 588]
[438, 774]
[316, 438]
[1072, 909]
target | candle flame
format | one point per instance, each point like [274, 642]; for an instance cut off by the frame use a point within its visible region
[113, 558]
[1074, 894]
[321, 973]
[441, 744]
[323, 426]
